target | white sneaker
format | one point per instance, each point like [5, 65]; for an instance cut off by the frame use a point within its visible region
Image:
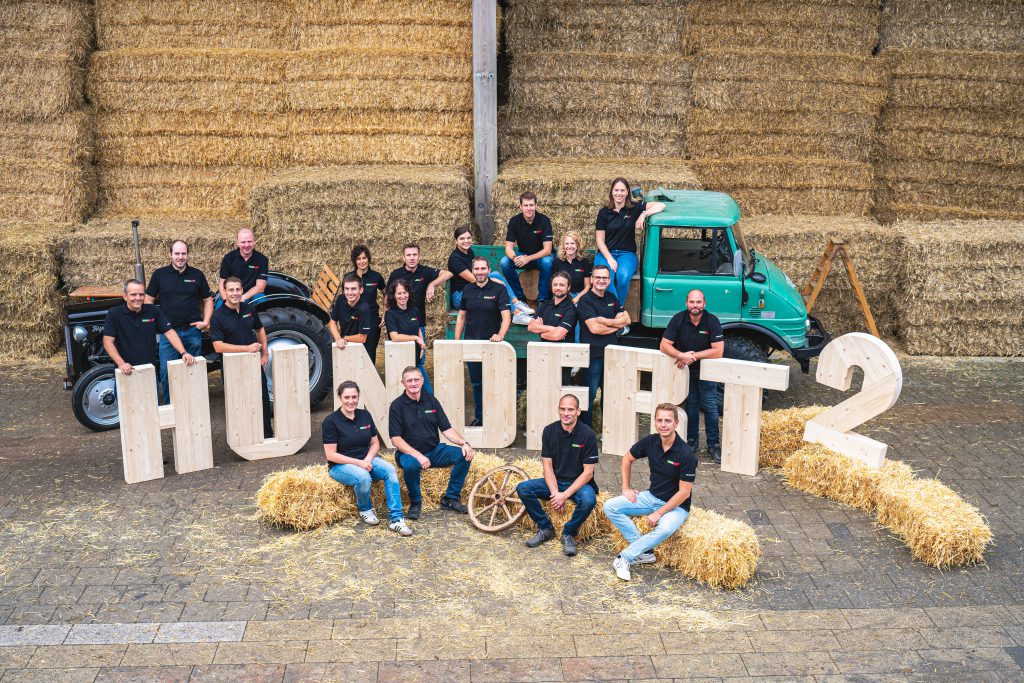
[370, 517]
[625, 330]
[574, 372]
[645, 558]
[621, 568]
[521, 318]
[522, 306]
[401, 527]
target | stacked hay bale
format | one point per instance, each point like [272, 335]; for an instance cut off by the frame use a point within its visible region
[989, 25]
[45, 141]
[796, 243]
[29, 307]
[958, 294]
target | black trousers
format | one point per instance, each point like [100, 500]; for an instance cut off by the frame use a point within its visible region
[373, 340]
[268, 410]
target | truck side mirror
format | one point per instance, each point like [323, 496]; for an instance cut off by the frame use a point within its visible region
[738, 266]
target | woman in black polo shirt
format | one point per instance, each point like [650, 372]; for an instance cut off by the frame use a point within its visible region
[373, 286]
[403, 322]
[460, 265]
[572, 259]
[351, 446]
[618, 222]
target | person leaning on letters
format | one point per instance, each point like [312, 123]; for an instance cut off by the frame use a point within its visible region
[483, 315]
[246, 264]
[569, 454]
[556, 319]
[352, 319]
[602, 320]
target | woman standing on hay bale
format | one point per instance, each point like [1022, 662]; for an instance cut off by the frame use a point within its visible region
[351, 446]
[373, 286]
[460, 264]
[404, 323]
[618, 222]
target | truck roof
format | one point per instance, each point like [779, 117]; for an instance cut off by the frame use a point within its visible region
[694, 208]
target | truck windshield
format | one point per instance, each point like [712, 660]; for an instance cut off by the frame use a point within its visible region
[700, 251]
[737, 234]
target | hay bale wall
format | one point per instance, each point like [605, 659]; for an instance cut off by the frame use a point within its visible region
[30, 307]
[990, 25]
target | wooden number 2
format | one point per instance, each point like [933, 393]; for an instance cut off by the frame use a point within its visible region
[883, 379]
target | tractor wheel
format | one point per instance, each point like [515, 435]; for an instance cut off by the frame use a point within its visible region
[94, 399]
[290, 326]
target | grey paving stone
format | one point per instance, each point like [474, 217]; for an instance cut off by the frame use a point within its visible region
[33, 635]
[201, 632]
[109, 634]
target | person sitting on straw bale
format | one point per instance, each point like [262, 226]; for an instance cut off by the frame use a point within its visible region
[483, 315]
[460, 264]
[351, 317]
[528, 245]
[569, 454]
[351, 446]
[414, 420]
[373, 286]
[666, 504]
[404, 323]
[246, 264]
[691, 335]
[423, 280]
[602, 319]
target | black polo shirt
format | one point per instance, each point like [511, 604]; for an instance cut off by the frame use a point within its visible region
[686, 336]
[590, 306]
[256, 268]
[373, 284]
[529, 237]
[352, 320]
[418, 422]
[352, 437]
[403, 322]
[569, 451]
[668, 468]
[458, 262]
[578, 270]
[620, 226]
[233, 327]
[418, 280]
[483, 307]
[180, 295]
[135, 333]
[558, 315]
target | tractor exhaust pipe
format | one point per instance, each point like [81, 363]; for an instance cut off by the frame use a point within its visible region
[140, 270]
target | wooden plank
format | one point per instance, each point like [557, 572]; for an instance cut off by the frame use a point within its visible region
[544, 363]
[165, 415]
[397, 357]
[97, 292]
[290, 369]
[485, 112]
[190, 405]
[243, 407]
[620, 406]
[353, 363]
[499, 388]
[450, 385]
[741, 428]
[745, 373]
[141, 454]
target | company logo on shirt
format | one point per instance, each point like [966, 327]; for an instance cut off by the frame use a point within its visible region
[419, 279]
[148, 320]
[578, 270]
[252, 267]
[353, 317]
[365, 427]
[430, 412]
[370, 284]
[414, 319]
[673, 463]
[536, 232]
[489, 298]
[701, 331]
[577, 445]
[247, 315]
[189, 282]
[558, 315]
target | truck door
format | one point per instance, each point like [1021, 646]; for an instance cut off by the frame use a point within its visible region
[693, 258]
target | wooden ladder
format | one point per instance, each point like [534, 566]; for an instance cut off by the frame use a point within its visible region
[812, 289]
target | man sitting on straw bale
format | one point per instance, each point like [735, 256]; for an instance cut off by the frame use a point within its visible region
[236, 328]
[483, 314]
[414, 420]
[691, 335]
[569, 453]
[423, 280]
[351, 317]
[246, 264]
[602, 319]
[528, 245]
[666, 504]
[185, 298]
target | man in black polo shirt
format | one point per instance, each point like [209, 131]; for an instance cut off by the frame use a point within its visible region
[248, 265]
[601, 321]
[414, 420]
[556, 319]
[569, 453]
[528, 245]
[483, 314]
[236, 328]
[423, 280]
[130, 331]
[351, 317]
[692, 335]
[666, 504]
[185, 298]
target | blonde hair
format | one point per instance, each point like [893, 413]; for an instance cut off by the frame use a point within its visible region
[581, 245]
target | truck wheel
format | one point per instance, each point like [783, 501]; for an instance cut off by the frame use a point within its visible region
[94, 399]
[740, 348]
[290, 326]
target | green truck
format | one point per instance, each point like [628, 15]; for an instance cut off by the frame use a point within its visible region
[696, 243]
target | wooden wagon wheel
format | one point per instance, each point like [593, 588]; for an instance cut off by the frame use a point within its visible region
[493, 503]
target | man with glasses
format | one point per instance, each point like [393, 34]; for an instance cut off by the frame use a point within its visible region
[602, 318]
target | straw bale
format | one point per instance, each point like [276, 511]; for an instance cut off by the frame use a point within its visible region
[29, 277]
[427, 12]
[827, 474]
[787, 96]
[176, 191]
[595, 526]
[45, 191]
[38, 84]
[782, 433]
[24, 341]
[337, 63]
[383, 93]
[972, 196]
[991, 25]
[951, 173]
[1004, 338]
[455, 38]
[304, 498]
[1006, 124]
[964, 65]
[956, 93]
[939, 526]
[66, 139]
[947, 145]
[786, 66]
[60, 28]
[892, 211]
[709, 547]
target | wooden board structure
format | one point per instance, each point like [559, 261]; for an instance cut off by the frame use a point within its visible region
[188, 415]
[883, 381]
[622, 399]
[499, 388]
[544, 363]
[244, 408]
[353, 363]
[745, 382]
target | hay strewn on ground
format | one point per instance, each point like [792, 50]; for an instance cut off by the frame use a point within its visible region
[30, 306]
[991, 25]
[782, 433]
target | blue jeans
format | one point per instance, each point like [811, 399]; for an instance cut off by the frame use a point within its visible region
[628, 263]
[595, 373]
[192, 340]
[360, 481]
[511, 273]
[618, 510]
[493, 275]
[421, 359]
[703, 398]
[476, 380]
[532, 491]
[441, 455]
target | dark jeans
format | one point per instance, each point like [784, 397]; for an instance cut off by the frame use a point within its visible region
[441, 455]
[476, 380]
[192, 340]
[595, 374]
[532, 491]
[511, 274]
[703, 398]
[373, 340]
[268, 407]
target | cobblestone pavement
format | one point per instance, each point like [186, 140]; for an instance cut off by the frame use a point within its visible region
[173, 580]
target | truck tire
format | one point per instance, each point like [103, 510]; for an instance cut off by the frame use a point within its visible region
[740, 348]
[94, 400]
[290, 326]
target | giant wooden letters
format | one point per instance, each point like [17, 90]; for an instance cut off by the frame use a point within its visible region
[544, 363]
[353, 363]
[499, 388]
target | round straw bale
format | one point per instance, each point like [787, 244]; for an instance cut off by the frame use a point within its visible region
[827, 474]
[782, 433]
[304, 498]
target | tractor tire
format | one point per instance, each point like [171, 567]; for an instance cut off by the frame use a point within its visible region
[740, 348]
[289, 326]
[94, 399]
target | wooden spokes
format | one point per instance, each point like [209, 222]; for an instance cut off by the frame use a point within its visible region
[493, 503]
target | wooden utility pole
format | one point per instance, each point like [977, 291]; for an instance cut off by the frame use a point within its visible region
[485, 112]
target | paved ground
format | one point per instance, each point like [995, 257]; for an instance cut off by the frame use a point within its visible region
[173, 580]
